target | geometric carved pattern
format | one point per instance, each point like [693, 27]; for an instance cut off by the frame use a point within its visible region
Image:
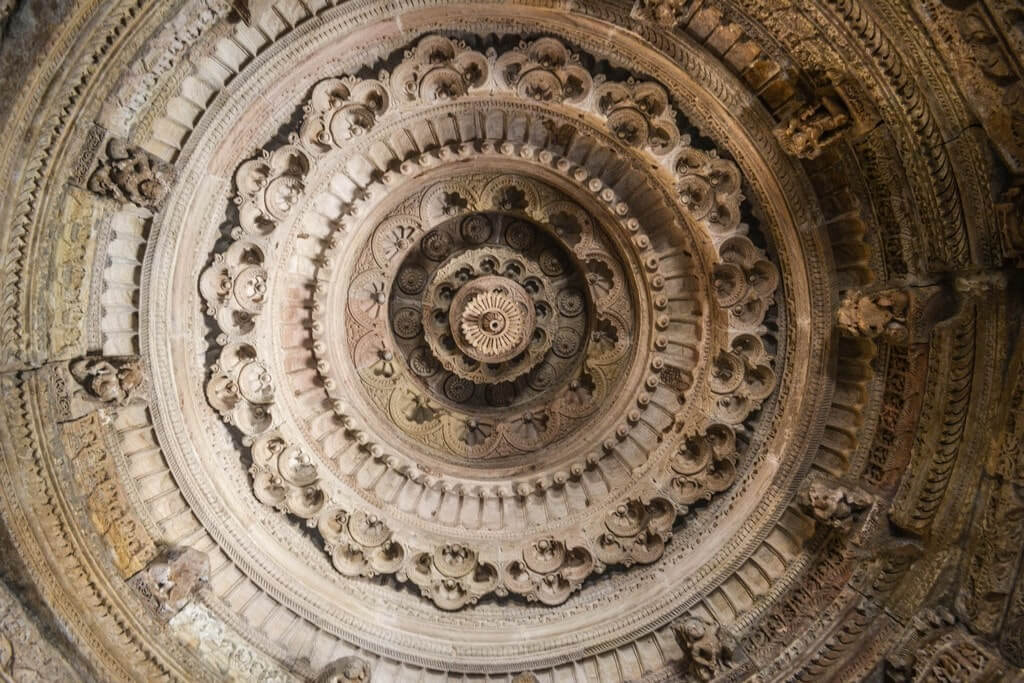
[489, 292]
[678, 337]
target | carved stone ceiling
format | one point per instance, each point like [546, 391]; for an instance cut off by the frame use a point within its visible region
[512, 341]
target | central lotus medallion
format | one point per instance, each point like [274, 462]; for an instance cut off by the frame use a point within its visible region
[519, 335]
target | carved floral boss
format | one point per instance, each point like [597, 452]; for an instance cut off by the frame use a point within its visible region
[495, 319]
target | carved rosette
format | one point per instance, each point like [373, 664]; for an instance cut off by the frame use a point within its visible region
[235, 287]
[491, 319]
[359, 544]
[241, 389]
[545, 71]
[285, 477]
[549, 571]
[639, 114]
[452, 576]
[268, 188]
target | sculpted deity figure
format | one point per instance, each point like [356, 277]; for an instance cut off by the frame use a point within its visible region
[345, 670]
[875, 315]
[129, 174]
[175, 577]
[813, 128]
[665, 12]
[109, 380]
[707, 649]
[906, 314]
[833, 506]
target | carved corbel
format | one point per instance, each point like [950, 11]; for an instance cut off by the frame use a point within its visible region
[832, 505]
[174, 578]
[991, 65]
[900, 315]
[707, 649]
[668, 13]
[345, 670]
[108, 380]
[807, 133]
[85, 384]
[130, 175]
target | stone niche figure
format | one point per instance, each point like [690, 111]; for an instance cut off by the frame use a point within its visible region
[875, 315]
[129, 174]
[668, 13]
[108, 380]
[706, 649]
[345, 670]
[174, 578]
[809, 131]
[897, 314]
[832, 505]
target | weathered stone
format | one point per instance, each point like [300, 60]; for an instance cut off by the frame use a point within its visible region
[430, 340]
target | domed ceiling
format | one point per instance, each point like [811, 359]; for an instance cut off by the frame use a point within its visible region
[551, 341]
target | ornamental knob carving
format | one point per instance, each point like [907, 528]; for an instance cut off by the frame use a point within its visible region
[493, 319]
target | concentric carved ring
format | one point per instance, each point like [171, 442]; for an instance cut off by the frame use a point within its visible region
[492, 319]
[493, 325]
[484, 326]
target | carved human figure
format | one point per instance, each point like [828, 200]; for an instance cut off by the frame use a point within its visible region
[831, 505]
[129, 174]
[345, 670]
[665, 12]
[109, 380]
[175, 577]
[874, 315]
[707, 650]
[813, 128]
